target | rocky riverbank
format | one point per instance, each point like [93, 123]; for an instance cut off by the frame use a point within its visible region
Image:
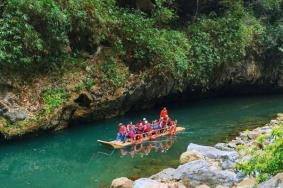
[205, 166]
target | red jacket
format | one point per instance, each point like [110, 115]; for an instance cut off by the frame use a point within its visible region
[148, 127]
[163, 113]
[122, 129]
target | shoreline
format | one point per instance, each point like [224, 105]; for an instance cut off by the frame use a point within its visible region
[206, 166]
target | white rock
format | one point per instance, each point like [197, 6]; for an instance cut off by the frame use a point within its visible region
[274, 182]
[122, 182]
[148, 183]
[189, 156]
[166, 174]
[213, 153]
[199, 172]
[247, 183]
[221, 186]
[203, 186]
[224, 147]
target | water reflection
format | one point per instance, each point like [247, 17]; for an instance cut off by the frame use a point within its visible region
[144, 149]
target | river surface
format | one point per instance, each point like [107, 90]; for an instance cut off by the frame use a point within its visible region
[73, 159]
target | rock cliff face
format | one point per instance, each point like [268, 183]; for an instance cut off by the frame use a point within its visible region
[97, 102]
[248, 76]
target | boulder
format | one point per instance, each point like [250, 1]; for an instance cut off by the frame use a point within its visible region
[273, 123]
[173, 184]
[199, 172]
[16, 115]
[253, 134]
[247, 183]
[202, 186]
[189, 156]
[265, 130]
[122, 183]
[280, 117]
[227, 164]
[274, 182]
[240, 175]
[213, 153]
[223, 147]
[146, 182]
[166, 174]
[221, 186]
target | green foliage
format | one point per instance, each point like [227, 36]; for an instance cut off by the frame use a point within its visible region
[268, 161]
[53, 98]
[31, 30]
[146, 45]
[268, 10]
[271, 5]
[222, 40]
[36, 31]
[274, 39]
[164, 13]
[90, 22]
[88, 83]
[48, 30]
[113, 73]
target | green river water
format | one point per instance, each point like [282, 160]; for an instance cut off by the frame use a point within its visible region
[73, 159]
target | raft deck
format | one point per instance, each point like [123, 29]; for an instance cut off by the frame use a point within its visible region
[118, 144]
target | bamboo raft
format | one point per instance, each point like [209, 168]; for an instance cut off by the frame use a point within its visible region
[118, 144]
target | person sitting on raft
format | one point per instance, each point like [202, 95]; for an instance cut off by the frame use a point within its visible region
[121, 136]
[147, 127]
[130, 127]
[131, 131]
[140, 128]
[155, 125]
[167, 120]
[162, 123]
[131, 135]
[144, 121]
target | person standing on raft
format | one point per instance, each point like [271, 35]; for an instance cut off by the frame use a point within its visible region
[163, 113]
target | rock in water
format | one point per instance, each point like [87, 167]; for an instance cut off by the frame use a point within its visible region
[213, 153]
[122, 183]
[146, 182]
[189, 156]
[274, 182]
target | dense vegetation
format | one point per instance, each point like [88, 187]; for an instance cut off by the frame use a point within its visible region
[54, 44]
[267, 161]
[185, 40]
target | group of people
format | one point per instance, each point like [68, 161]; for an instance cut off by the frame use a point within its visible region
[135, 132]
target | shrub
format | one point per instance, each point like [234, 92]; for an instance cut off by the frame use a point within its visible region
[222, 40]
[90, 22]
[53, 98]
[268, 161]
[148, 46]
[31, 30]
[113, 73]
[88, 83]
